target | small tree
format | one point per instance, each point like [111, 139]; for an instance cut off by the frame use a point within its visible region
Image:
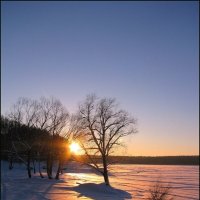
[102, 125]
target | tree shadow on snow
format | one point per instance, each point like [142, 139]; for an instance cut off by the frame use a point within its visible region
[101, 191]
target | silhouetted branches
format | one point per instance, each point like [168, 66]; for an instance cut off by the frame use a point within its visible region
[102, 126]
[35, 122]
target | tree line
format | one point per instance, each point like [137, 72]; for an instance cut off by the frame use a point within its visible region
[42, 130]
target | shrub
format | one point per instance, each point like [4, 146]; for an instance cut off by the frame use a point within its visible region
[159, 192]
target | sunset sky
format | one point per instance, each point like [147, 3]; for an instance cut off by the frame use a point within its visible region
[144, 54]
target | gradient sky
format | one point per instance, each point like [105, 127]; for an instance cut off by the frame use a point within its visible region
[145, 54]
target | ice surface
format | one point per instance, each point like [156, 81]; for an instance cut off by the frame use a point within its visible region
[81, 182]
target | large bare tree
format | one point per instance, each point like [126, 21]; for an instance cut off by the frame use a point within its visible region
[102, 124]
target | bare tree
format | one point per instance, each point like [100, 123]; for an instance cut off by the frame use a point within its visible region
[7, 127]
[102, 125]
[24, 114]
[47, 115]
[24, 111]
[52, 117]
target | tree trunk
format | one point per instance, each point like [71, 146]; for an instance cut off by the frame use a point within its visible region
[50, 159]
[11, 161]
[28, 163]
[105, 171]
[58, 170]
[49, 167]
[33, 161]
[39, 166]
[106, 179]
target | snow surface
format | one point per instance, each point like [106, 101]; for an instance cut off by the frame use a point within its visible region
[81, 182]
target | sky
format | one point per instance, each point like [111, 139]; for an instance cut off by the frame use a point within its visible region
[144, 54]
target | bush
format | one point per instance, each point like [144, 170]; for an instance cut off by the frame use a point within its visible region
[159, 192]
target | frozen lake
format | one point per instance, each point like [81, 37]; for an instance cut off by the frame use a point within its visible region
[79, 182]
[136, 179]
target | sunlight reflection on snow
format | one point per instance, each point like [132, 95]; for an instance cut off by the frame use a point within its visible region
[80, 183]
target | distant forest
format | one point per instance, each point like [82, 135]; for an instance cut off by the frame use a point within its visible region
[150, 160]
[159, 160]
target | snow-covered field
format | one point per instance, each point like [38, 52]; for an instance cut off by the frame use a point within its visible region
[80, 182]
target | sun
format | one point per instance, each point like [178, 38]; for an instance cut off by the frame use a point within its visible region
[75, 148]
